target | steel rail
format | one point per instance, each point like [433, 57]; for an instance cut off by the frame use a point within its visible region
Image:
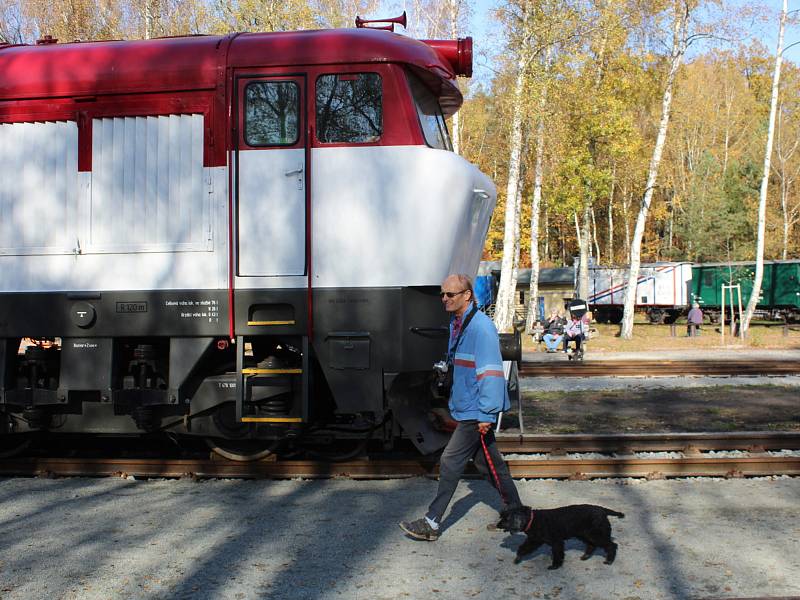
[577, 468]
[626, 443]
[654, 368]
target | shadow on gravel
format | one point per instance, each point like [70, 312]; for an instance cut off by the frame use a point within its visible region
[481, 492]
[316, 540]
[667, 565]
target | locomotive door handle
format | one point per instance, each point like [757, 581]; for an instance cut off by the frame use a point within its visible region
[299, 172]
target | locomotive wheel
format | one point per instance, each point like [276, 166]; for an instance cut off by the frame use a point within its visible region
[243, 450]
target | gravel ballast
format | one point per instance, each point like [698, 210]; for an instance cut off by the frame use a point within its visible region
[122, 538]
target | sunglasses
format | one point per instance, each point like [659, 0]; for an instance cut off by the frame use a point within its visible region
[451, 294]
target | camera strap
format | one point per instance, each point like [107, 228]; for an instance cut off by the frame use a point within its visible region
[452, 350]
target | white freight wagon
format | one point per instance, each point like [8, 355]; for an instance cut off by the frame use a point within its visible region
[662, 290]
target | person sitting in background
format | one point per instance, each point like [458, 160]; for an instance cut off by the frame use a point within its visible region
[554, 328]
[693, 320]
[575, 331]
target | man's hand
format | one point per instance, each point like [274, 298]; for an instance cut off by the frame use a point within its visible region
[484, 428]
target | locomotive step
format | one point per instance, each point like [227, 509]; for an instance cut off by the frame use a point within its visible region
[272, 420]
[271, 371]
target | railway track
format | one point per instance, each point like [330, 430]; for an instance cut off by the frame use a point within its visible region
[628, 443]
[694, 462]
[657, 368]
[575, 468]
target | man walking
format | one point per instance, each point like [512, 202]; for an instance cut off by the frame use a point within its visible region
[477, 396]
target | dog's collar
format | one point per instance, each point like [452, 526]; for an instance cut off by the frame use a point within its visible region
[530, 522]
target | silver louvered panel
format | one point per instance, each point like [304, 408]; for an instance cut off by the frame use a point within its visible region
[38, 187]
[148, 191]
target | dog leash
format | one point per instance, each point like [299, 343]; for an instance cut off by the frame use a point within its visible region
[530, 522]
[492, 469]
[497, 479]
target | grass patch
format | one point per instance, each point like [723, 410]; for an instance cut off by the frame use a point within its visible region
[723, 408]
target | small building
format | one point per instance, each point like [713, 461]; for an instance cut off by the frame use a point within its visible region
[556, 287]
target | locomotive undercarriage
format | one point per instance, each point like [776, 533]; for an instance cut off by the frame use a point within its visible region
[246, 394]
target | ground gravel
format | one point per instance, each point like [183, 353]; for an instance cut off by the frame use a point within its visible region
[574, 384]
[120, 538]
[560, 384]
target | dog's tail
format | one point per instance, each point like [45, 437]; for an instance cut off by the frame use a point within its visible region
[613, 513]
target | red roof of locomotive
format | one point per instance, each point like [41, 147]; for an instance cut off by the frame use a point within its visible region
[195, 62]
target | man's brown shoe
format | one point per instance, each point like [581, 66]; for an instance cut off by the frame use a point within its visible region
[420, 530]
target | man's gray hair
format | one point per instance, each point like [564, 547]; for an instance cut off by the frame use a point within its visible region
[466, 284]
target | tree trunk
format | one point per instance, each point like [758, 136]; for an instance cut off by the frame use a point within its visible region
[546, 233]
[671, 223]
[585, 242]
[533, 290]
[626, 202]
[678, 49]
[148, 20]
[610, 239]
[453, 7]
[504, 309]
[787, 177]
[594, 237]
[785, 213]
[762, 202]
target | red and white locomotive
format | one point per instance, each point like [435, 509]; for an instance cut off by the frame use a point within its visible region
[237, 237]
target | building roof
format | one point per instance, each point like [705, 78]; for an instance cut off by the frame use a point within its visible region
[555, 276]
[552, 276]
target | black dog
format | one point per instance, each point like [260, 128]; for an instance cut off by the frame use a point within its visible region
[587, 522]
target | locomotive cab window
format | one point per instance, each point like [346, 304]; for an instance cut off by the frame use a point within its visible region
[349, 108]
[431, 118]
[271, 113]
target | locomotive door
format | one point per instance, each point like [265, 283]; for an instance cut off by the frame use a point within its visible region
[271, 175]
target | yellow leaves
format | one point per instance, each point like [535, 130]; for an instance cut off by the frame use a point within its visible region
[69, 20]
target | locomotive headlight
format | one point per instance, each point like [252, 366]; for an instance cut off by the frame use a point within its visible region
[83, 314]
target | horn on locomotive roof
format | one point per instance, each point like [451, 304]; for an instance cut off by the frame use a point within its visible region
[401, 20]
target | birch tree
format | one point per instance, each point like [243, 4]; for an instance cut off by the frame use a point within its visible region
[762, 201]
[536, 201]
[13, 24]
[454, 12]
[539, 29]
[504, 309]
[440, 19]
[680, 23]
[787, 170]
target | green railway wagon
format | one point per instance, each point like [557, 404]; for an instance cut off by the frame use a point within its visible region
[780, 288]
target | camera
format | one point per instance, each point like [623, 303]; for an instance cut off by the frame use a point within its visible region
[442, 378]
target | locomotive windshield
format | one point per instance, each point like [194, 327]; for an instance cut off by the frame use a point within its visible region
[430, 114]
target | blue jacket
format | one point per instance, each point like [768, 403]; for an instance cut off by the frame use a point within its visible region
[479, 386]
